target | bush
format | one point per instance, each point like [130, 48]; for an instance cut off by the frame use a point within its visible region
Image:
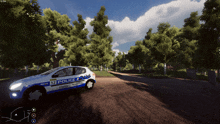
[4, 73]
[131, 71]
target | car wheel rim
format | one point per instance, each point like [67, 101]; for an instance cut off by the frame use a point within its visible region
[35, 95]
[89, 84]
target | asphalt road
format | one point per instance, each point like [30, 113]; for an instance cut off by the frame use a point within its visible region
[127, 99]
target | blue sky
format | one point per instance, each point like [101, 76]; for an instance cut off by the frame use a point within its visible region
[128, 19]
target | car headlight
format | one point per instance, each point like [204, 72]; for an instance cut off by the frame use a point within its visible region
[12, 87]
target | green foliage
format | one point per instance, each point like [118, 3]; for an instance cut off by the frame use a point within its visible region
[163, 27]
[188, 38]
[46, 66]
[128, 66]
[149, 33]
[57, 28]
[207, 52]
[22, 20]
[101, 52]
[137, 53]
[148, 43]
[165, 46]
[76, 50]
[120, 61]
[162, 46]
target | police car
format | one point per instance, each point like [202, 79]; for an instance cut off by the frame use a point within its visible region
[58, 79]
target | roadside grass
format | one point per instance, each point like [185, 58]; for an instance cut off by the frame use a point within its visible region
[4, 79]
[6, 74]
[181, 73]
[103, 74]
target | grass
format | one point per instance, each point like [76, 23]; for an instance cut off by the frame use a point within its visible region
[4, 74]
[4, 79]
[181, 73]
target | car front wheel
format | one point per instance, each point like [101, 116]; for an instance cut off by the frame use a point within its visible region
[33, 95]
[89, 85]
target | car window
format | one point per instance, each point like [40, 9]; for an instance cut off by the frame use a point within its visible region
[80, 70]
[50, 71]
[70, 71]
[61, 73]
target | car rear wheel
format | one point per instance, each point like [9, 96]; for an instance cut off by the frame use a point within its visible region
[89, 85]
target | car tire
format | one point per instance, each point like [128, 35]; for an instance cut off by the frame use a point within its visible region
[89, 85]
[34, 95]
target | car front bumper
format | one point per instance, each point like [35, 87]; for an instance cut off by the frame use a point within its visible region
[15, 94]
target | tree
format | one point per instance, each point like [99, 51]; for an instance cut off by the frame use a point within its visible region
[208, 45]
[188, 38]
[163, 27]
[120, 60]
[138, 52]
[100, 40]
[165, 46]
[76, 50]
[123, 62]
[22, 20]
[148, 43]
[149, 34]
[36, 36]
[57, 31]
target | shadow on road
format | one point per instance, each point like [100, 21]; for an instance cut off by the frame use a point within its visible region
[63, 107]
[196, 101]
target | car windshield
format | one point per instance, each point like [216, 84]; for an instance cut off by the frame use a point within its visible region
[50, 71]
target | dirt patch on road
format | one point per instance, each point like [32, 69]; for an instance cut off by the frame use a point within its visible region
[121, 103]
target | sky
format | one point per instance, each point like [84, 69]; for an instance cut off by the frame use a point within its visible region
[128, 19]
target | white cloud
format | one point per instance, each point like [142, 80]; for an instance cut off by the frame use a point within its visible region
[115, 44]
[173, 12]
[88, 26]
[117, 51]
[60, 47]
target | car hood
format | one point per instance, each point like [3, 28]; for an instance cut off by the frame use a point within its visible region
[31, 78]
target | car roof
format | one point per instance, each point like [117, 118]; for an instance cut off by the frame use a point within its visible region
[73, 66]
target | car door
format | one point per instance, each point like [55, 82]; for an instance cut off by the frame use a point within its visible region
[73, 79]
[66, 79]
[81, 74]
[57, 81]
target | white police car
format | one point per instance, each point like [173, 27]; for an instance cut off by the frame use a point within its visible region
[57, 79]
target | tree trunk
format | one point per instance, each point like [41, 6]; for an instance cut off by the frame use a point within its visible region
[107, 68]
[164, 68]
[37, 68]
[26, 67]
[208, 71]
[139, 68]
[15, 71]
[133, 66]
[101, 68]
[218, 75]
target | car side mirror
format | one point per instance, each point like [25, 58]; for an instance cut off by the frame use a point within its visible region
[55, 75]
